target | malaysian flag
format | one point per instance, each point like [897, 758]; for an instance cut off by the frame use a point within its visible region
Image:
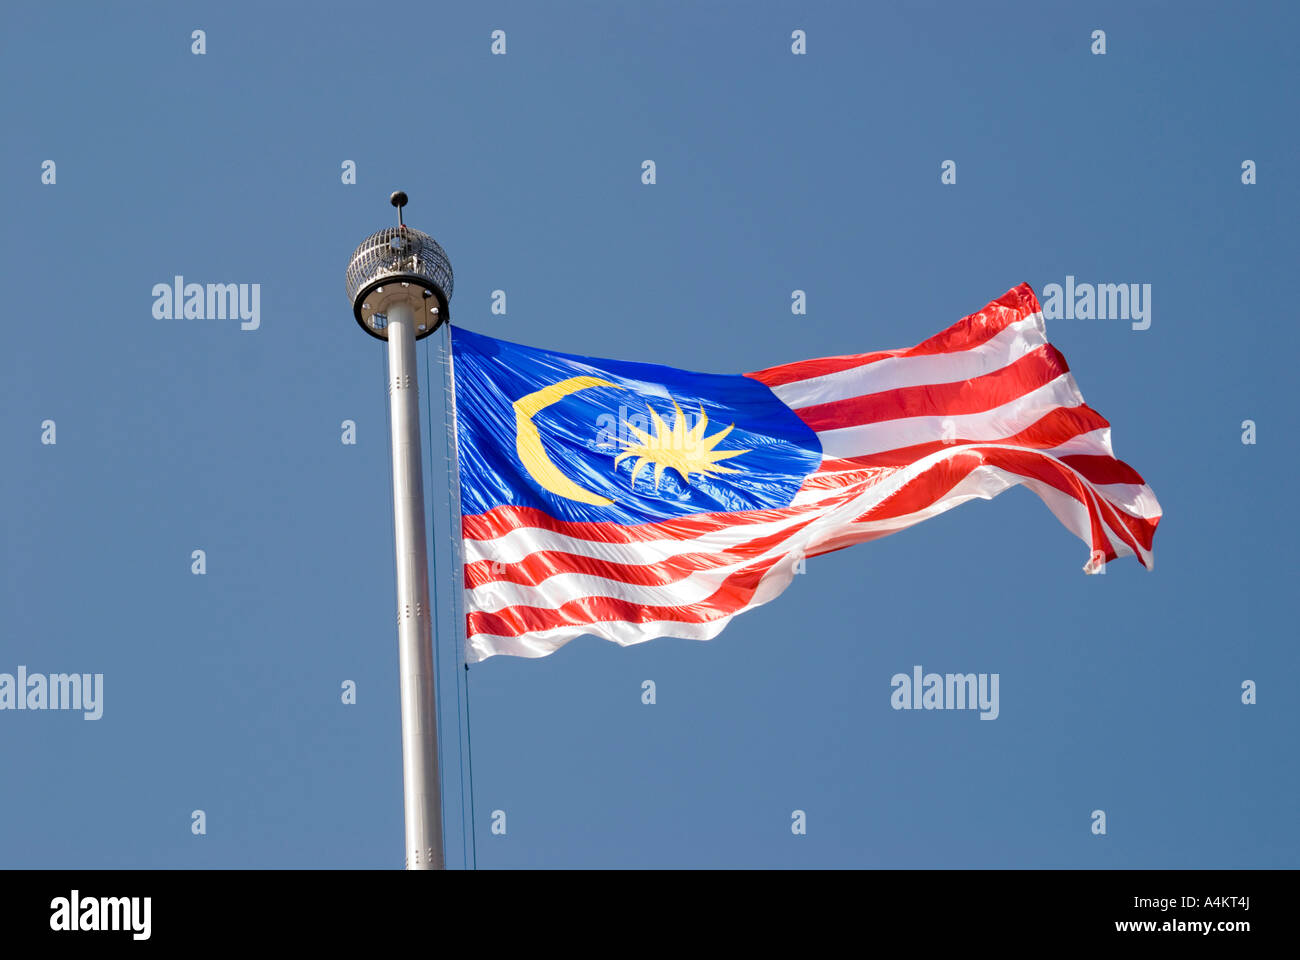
[632, 501]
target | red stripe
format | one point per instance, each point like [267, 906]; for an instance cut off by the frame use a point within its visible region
[1035, 369]
[499, 521]
[1014, 305]
[734, 594]
[1103, 469]
[925, 488]
[846, 476]
[848, 538]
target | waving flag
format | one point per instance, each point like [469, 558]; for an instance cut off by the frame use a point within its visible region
[633, 501]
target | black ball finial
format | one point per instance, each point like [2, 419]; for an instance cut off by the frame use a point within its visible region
[398, 199]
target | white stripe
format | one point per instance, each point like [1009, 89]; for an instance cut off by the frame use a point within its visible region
[1137, 500]
[1093, 443]
[1012, 343]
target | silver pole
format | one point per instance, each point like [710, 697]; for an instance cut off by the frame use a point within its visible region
[420, 788]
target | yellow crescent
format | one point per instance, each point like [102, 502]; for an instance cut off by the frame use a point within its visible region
[528, 442]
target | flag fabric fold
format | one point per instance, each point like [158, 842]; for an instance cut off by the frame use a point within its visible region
[632, 501]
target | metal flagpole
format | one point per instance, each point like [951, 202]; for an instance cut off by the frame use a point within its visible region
[400, 282]
[414, 633]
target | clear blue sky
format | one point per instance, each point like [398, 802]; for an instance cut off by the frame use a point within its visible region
[775, 172]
